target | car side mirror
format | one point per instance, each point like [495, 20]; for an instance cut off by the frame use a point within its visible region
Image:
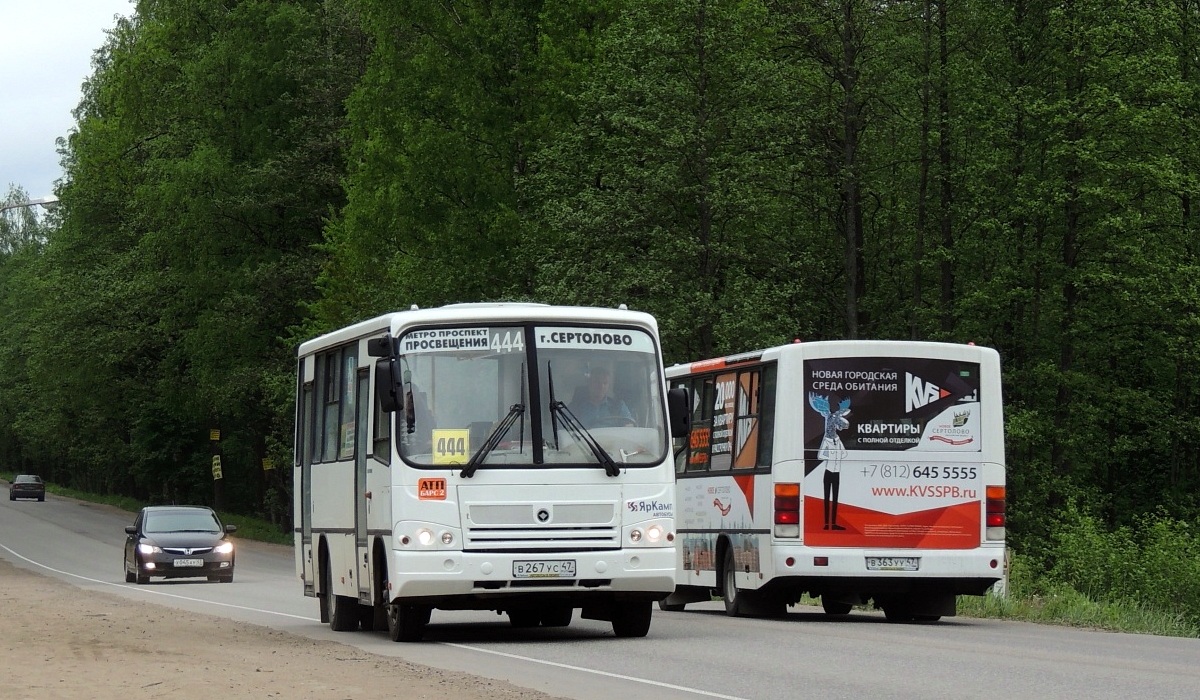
[679, 411]
[131, 529]
[231, 529]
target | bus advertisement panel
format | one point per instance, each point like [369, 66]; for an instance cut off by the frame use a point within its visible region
[872, 430]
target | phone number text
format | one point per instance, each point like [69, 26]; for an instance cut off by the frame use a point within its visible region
[919, 471]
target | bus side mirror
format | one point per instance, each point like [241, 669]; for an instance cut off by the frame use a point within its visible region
[679, 411]
[379, 347]
[385, 385]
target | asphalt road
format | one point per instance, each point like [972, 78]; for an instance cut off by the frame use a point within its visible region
[694, 654]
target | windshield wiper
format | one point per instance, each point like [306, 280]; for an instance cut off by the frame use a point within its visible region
[493, 439]
[581, 434]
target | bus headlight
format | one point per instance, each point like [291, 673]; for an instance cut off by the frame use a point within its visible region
[653, 533]
[426, 536]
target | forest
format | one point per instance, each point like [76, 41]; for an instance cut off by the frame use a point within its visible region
[246, 174]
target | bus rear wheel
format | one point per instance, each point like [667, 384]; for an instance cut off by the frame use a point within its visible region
[406, 623]
[343, 613]
[835, 607]
[731, 594]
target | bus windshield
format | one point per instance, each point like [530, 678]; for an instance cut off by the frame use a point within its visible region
[530, 396]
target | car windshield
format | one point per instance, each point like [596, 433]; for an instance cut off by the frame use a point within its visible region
[179, 521]
[495, 395]
[26, 479]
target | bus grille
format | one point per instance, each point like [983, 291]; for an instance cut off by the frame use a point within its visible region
[517, 539]
[538, 525]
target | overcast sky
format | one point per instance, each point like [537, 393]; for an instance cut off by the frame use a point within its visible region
[45, 55]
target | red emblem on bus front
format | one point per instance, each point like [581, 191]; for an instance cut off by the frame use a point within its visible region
[431, 489]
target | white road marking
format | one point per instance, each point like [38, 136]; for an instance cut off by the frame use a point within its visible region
[468, 647]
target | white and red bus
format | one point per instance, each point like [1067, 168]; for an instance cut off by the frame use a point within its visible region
[854, 471]
[449, 458]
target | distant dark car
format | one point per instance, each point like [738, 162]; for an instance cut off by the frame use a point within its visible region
[178, 542]
[27, 486]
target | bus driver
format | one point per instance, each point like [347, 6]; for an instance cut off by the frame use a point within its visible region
[595, 408]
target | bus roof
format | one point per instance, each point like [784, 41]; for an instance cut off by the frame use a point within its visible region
[483, 312]
[828, 348]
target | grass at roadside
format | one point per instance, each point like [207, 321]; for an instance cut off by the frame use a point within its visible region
[1065, 606]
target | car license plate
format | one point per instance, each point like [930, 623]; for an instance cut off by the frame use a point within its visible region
[893, 563]
[186, 563]
[544, 568]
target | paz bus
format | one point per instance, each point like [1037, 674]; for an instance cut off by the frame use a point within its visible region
[854, 471]
[442, 462]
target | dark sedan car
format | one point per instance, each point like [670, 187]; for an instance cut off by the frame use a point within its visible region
[178, 542]
[27, 486]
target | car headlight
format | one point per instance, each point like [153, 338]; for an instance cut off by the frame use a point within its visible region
[149, 549]
[224, 548]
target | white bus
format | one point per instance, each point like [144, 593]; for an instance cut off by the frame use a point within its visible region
[448, 458]
[854, 471]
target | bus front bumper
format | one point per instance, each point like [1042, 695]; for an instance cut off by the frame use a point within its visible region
[645, 573]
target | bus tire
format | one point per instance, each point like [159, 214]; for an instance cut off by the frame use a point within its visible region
[343, 613]
[835, 607]
[898, 612]
[632, 619]
[731, 594]
[366, 617]
[557, 616]
[406, 623]
[326, 586]
[522, 618]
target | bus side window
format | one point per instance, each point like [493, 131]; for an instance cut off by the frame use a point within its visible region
[704, 394]
[381, 438]
[766, 415]
[332, 406]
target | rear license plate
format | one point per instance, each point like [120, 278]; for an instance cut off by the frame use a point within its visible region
[893, 563]
[187, 563]
[544, 568]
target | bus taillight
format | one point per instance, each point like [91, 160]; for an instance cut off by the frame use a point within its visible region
[994, 514]
[787, 510]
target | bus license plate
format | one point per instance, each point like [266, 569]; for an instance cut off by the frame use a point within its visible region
[188, 563]
[893, 563]
[544, 568]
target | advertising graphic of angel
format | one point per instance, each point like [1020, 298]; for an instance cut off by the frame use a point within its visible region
[832, 451]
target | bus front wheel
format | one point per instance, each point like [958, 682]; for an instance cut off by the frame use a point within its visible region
[632, 619]
[406, 623]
